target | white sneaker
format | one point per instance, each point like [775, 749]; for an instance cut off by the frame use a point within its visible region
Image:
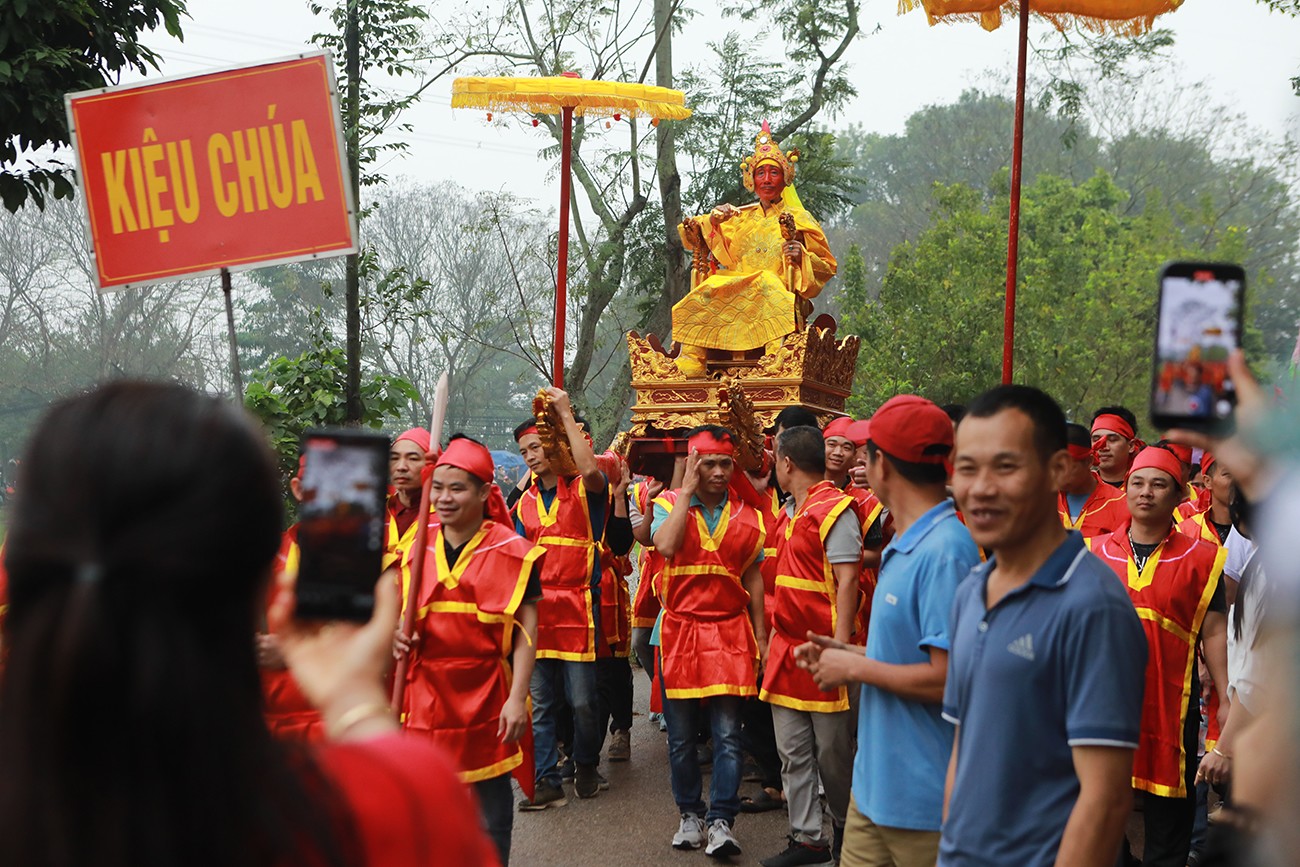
[722, 843]
[690, 834]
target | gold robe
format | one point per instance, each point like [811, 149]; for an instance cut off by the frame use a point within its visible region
[748, 304]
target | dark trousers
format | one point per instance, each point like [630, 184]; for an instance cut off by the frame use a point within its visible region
[497, 810]
[613, 695]
[645, 653]
[759, 740]
[1168, 822]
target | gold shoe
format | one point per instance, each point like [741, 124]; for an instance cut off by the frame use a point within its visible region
[690, 361]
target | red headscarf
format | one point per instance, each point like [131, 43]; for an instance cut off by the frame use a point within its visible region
[1153, 457]
[417, 435]
[475, 459]
[706, 443]
[838, 428]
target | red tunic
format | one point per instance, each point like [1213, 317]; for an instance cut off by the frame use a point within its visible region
[566, 623]
[1171, 595]
[1198, 526]
[1105, 511]
[646, 606]
[707, 642]
[804, 600]
[407, 805]
[459, 676]
[615, 605]
[288, 713]
[397, 541]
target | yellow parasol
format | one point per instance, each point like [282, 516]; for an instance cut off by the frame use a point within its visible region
[1122, 17]
[568, 94]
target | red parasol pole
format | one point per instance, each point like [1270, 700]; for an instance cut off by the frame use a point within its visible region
[1013, 232]
[562, 267]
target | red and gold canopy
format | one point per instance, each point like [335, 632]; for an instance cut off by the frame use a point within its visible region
[1125, 17]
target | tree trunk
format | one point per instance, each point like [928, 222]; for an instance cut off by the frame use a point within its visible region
[352, 294]
[676, 275]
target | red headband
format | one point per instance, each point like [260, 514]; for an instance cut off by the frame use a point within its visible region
[859, 432]
[1114, 423]
[1153, 457]
[1183, 453]
[417, 435]
[1079, 453]
[838, 428]
[469, 456]
[531, 429]
[1207, 461]
[705, 443]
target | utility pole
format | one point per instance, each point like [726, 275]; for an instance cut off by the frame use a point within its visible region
[352, 296]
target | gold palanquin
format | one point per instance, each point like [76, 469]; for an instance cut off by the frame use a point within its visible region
[1125, 17]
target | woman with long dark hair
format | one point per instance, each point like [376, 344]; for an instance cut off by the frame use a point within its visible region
[131, 728]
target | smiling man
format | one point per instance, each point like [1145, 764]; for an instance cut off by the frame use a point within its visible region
[1045, 675]
[472, 646]
[1115, 443]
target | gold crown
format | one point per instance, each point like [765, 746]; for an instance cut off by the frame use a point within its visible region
[766, 150]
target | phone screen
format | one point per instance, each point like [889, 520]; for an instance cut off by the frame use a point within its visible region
[1199, 325]
[341, 524]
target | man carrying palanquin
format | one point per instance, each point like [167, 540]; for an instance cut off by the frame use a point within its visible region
[752, 300]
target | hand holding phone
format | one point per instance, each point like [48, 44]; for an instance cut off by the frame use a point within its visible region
[1198, 325]
[341, 527]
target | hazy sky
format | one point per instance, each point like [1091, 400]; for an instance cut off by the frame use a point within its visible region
[1245, 53]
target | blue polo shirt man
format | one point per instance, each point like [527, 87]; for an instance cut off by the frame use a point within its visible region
[1056, 664]
[903, 745]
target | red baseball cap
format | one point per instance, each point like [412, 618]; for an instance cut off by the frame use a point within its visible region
[912, 429]
[858, 432]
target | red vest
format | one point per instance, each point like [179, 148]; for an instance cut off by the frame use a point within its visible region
[646, 607]
[397, 543]
[1105, 511]
[459, 676]
[707, 642]
[804, 600]
[288, 713]
[566, 623]
[1171, 595]
[615, 605]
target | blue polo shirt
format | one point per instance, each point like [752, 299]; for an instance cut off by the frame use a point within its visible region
[904, 745]
[1058, 663]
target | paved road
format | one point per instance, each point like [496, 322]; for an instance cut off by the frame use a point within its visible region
[632, 824]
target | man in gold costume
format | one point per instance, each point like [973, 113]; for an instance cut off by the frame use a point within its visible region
[752, 300]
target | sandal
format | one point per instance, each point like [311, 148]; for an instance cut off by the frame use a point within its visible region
[763, 802]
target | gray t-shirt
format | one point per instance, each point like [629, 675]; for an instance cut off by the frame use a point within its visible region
[844, 540]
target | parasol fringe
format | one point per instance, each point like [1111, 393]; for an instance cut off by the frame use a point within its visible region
[1118, 24]
[549, 95]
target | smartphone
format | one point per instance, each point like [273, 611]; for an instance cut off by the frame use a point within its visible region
[341, 523]
[1198, 323]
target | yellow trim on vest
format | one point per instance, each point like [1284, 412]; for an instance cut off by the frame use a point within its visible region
[712, 541]
[810, 706]
[1164, 623]
[449, 576]
[704, 569]
[712, 690]
[504, 766]
[1143, 580]
[801, 584]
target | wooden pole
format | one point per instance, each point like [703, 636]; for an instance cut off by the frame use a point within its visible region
[562, 267]
[1013, 230]
[420, 545]
[231, 339]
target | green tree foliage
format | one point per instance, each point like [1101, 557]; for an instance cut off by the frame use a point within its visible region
[1085, 297]
[291, 395]
[52, 47]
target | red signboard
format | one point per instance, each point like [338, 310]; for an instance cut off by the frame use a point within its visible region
[230, 169]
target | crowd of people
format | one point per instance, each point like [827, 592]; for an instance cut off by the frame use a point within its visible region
[969, 635]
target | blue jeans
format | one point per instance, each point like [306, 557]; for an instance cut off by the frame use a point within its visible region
[496, 805]
[554, 682]
[684, 716]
